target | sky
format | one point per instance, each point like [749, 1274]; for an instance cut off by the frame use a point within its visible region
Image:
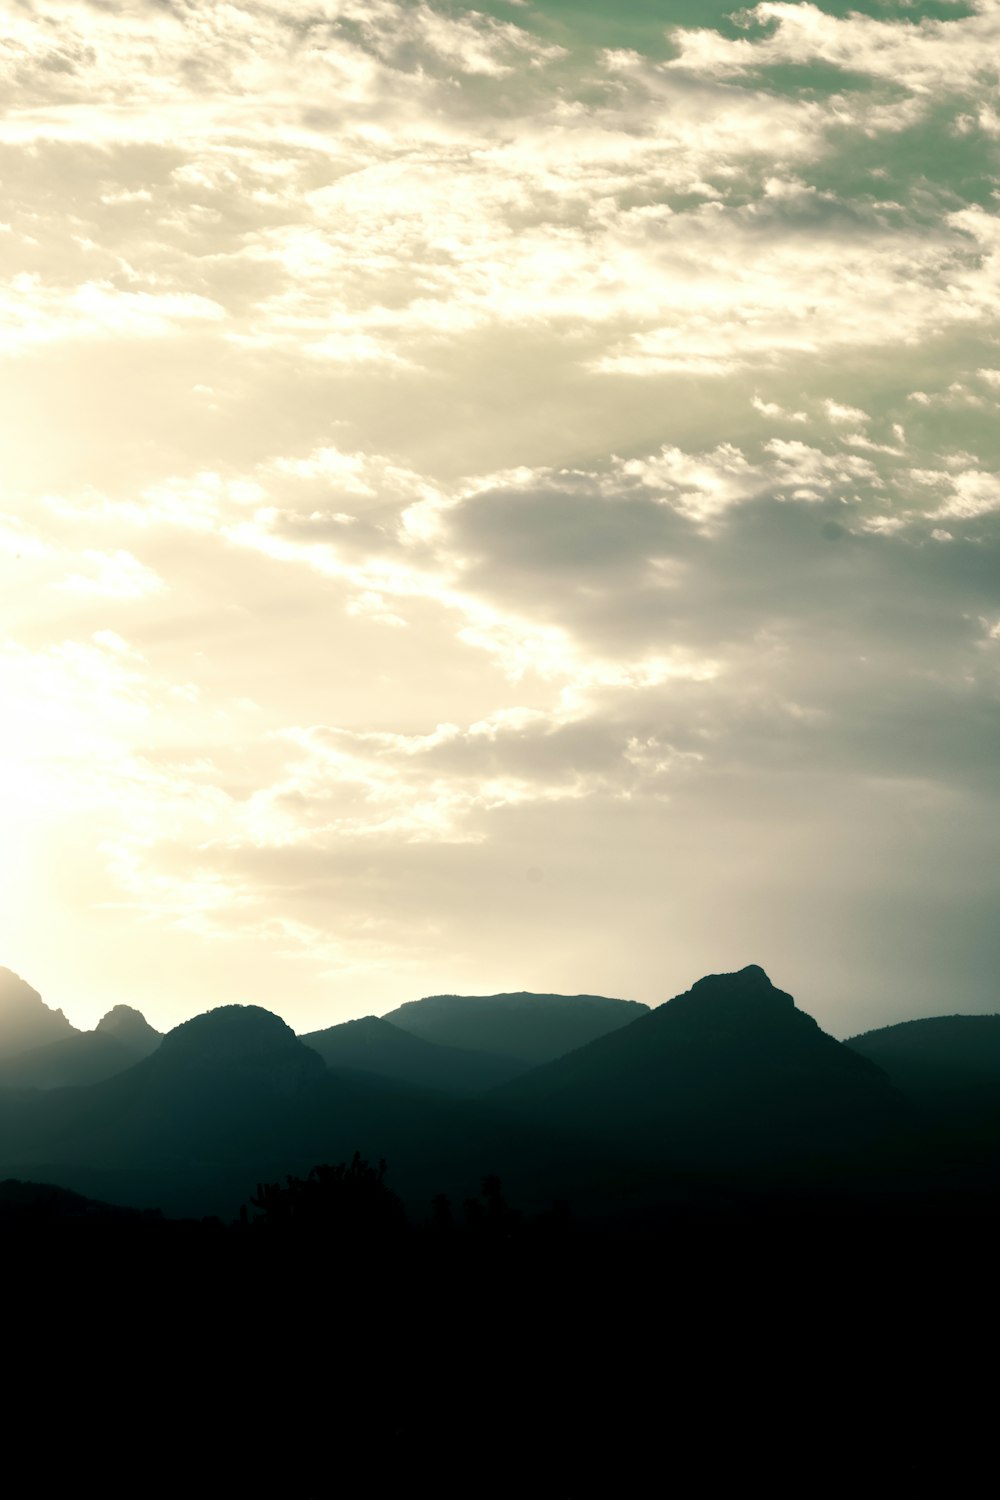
[497, 499]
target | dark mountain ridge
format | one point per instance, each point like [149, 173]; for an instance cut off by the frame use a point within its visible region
[532, 1028]
[942, 1061]
[25, 1020]
[374, 1045]
[730, 1069]
[241, 1037]
[129, 1026]
[37, 1205]
[701, 1098]
[217, 1082]
[233, 1097]
[120, 1039]
[496, 1311]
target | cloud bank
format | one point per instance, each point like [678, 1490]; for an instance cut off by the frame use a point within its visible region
[489, 507]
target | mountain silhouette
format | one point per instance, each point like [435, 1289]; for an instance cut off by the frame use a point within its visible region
[374, 1045]
[238, 1040]
[25, 1020]
[227, 1081]
[40, 1205]
[233, 1097]
[121, 1038]
[731, 1069]
[130, 1027]
[229, 1098]
[530, 1028]
[219, 1084]
[944, 1061]
[711, 1094]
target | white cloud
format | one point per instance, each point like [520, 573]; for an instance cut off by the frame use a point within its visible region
[774, 410]
[974, 493]
[331, 607]
[117, 575]
[32, 313]
[924, 55]
[839, 413]
[701, 486]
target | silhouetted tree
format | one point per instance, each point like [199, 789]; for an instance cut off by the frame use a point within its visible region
[345, 1202]
[491, 1215]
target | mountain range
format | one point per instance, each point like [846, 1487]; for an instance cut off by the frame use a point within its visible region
[731, 1068]
[374, 1045]
[604, 1101]
[467, 1043]
[120, 1039]
[25, 1020]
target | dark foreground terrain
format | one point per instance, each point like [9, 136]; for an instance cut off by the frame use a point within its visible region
[708, 1250]
[338, 1349]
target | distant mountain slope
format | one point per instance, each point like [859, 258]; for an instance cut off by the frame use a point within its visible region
[232, 1098]
[25, 1020]
[220, 1101]
[374, 1045]
[33, 1205]
[121, 1038]
[731, 1067]
[943, 1059]
[532, 1028]
[88, 1057]
[224, 1069]
[130, 1027]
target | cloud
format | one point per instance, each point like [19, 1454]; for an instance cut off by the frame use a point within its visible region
[973, 494]
[118, 575]
[31, 313]
[432, 453]
[924, 54]
[772, 409]
[552, 209]
[838, 413]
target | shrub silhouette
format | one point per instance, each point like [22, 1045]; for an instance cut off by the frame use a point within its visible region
[343, 1203]
[491, 1221]
[493, 1215]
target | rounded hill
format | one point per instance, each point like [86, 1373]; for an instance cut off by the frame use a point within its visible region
[234, 1034]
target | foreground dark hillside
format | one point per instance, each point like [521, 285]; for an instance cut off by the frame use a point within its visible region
[326, 1343]
[712, 1249]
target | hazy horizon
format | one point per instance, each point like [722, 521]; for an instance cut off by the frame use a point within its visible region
[499, 498]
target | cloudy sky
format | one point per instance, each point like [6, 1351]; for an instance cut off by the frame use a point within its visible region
[499, 498]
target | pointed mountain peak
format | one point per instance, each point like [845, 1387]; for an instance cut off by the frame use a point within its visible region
[752, 976]
[748, 991]
[753, 972]
[129, 1026]
[25, 1020]
[731, 1069]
